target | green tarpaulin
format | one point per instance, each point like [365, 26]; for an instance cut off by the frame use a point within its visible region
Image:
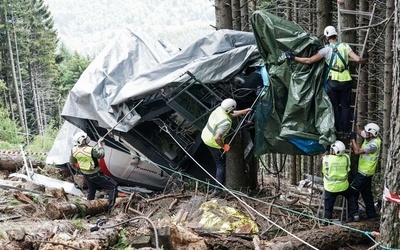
[295, 115]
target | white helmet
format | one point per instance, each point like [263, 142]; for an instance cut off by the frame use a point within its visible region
[80, 137]
[228, 105]
[330, 31]
[338, 148]
[372, 128]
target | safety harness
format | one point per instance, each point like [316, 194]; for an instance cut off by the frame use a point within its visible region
[335, 52]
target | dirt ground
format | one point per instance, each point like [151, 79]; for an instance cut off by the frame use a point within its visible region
[178, 215]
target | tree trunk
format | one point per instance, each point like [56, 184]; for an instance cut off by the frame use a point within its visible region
[324, 15]
[329, 238]
[12, 162]
[16, 89]
[244, 15]
[25, 128]
[61, 210]
[292, 164]
[235, 165]
[236, 20]
[288, 10]
[34, 95]
[390, 222]
[388, 78]
[223, 14]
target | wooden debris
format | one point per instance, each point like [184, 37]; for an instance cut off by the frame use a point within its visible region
[23, 198]
[323, 238]
[14, 162]
[57, 193]
[64, 210]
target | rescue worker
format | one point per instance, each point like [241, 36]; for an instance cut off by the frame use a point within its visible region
[86, 159]
[335, 169]
[368, 160]
[338, 77]
[214, 134]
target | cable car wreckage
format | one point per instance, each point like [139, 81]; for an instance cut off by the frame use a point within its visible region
[152, 102]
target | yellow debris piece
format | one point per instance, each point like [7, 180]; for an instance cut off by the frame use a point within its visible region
[224, 219]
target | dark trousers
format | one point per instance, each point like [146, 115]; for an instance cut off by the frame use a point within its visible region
[340, 95]
[220, 164]
[330, 198]
[99, 181]
[363, 184]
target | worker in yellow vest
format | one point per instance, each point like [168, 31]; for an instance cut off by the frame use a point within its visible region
[214, 134]
[85, 158]
[338, 78]
[335, 169]
[368, 160]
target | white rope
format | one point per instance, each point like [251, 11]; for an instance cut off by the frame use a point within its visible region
[165, 128]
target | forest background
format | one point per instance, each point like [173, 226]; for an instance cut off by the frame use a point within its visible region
[37, 71]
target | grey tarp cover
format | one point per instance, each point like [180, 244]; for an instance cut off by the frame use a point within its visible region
[296, 109]
[132, 67]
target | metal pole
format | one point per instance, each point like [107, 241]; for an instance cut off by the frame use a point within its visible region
[123, 118]
[244, 118]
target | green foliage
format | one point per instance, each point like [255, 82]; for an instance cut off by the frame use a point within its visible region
[78, 223]
[43, 143]
[10, 132]
[122, 241]
[14, 202]
[70, 69]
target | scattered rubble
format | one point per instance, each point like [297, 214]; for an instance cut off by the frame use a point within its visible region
[36, 217]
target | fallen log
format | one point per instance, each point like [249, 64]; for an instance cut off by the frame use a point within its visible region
[66, 210]
[327, 238]
[14, 162]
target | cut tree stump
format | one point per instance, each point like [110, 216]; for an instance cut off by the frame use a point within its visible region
[67, 210]
[328, 238]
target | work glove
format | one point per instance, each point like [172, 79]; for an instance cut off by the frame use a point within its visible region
[247, 111]
[226, 147]
[352, 135]
[289, 55]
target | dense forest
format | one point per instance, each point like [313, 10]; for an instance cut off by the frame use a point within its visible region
[37, 71]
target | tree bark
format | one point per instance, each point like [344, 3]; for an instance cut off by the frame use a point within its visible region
[388, 78]
[236, 15]
[244, 15]
[13, 162]
[235, 165]
[324, 15]
[62, 210]
[328, 238]
[390, 222]
[223, 14]
[14, 76]
[292, 164]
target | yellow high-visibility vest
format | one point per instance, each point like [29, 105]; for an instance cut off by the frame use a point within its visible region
[217, 119]
[367, 162]
[83, 155]
[339, 70]
[335, 169]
